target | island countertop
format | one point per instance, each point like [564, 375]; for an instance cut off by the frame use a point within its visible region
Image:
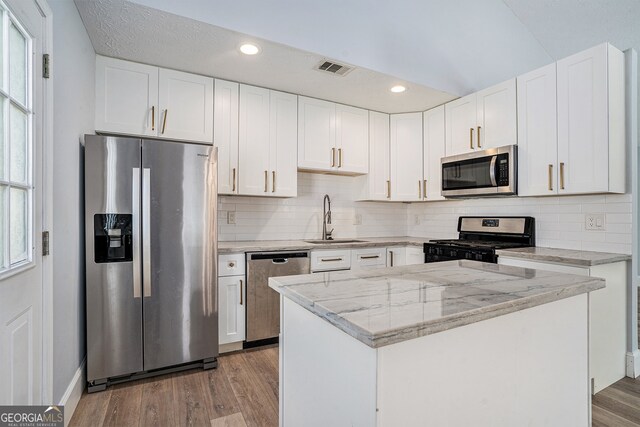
[387, 306]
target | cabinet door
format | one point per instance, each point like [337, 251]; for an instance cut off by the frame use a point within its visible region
[434, 148]
[537, 133]
[126, 97]
[396, 256]
[186, 106]
[253, 146]
[225, 135]
[496, 116]
[283, 140]
[352, 139]
[460, 116]
[583, 148]
[378, 179]
[316, 134]
[406, 157]
[231, 309]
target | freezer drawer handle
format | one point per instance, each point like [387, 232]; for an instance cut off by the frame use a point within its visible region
[135, 196]
[146, 231]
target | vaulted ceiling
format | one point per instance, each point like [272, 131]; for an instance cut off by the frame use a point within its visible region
[439, 49]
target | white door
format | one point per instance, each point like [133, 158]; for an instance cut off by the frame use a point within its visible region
[21, 206]
[583, 138]
[352, 139]
[378, 179]
[461, 125]
[316, 134]
[283, 130]
[231, 325]
[186, 106]
[434, 149]
[496, 116]
[537, 133]
[126, 97]
[406, 157]
[225, 135]
[253, 146]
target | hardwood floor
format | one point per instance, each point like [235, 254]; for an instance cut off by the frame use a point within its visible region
[243, 392]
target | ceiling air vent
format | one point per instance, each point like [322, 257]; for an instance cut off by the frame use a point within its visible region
[333, 67]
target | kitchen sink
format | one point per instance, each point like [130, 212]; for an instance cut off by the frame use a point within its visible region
[322, 242]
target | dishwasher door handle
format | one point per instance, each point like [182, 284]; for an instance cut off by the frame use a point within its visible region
[279, 260]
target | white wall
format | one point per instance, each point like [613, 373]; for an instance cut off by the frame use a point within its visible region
[560, 221]
[261, 218]
[73, 70]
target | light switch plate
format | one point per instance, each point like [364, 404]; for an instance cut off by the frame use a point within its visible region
[594, 221]
[357, 219]
[231, 217]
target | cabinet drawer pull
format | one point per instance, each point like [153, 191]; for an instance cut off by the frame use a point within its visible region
[388, 189]
[234, 180]
[153, 117]
[471, 138]
[561, 176]
[478, 137]
[333, 157]
[164, 122]
[273, 181]
[339, 157]
[391, 258]
[550, 177]
[231, 264]
[240, 291]
[370, 257]
[424, 188]
[266, 181]
[419, 189]
[330, 259]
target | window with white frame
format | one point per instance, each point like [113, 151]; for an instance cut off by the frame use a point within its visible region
[16, 144]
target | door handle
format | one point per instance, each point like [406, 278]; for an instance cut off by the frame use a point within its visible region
[164, 122]
[550, 177]
[424, 188]
[330, 259]
[240, 291]
[471, 138]
[333, 157]
[266, 179]
[561, 175]
[478, 137]
[339, 157]
[153, 117]
[391, 258]
[146, 231]
[492, 171]
[369, 256]
[388, 189]
[234, 180]
[273, 182]
[135, 224]
[419, 189]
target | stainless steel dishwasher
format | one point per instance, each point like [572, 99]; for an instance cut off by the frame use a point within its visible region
[263, 303]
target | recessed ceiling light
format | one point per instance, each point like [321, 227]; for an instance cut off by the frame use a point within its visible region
[249, 49]
[398, 89]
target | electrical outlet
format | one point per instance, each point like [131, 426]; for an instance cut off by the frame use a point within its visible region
[416, 220]
[594, 222]
[357, 219]
[231, 217]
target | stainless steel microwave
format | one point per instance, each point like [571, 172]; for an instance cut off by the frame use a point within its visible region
[481, 173]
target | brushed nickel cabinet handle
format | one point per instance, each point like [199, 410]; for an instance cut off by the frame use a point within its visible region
[561, 176]
[273, 182]
[339, 157]
[478, 136]
[330, 259]
[370, 257]
[234, 180]
[471, 138]
[266, 181]
[424, 188]
[388, 189]
[550, 177]
[391, 258]
[164, 122]
[153, 117]
[419, 189]
[240, 291]
[333, 157]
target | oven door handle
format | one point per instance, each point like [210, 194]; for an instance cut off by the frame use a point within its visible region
[492, 171]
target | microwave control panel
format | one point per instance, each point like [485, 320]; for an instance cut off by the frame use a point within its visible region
[502, 172]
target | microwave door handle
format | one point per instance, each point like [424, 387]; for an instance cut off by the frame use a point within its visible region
[492, 171]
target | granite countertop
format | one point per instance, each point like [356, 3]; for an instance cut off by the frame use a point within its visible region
[296, 245]
[564, 256]
[387, 306]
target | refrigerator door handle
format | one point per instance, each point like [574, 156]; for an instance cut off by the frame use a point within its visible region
[146, 231]
[135, 225]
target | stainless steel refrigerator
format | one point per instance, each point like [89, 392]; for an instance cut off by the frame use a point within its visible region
[151, 257]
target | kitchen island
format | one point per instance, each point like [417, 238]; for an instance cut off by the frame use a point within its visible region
[450, 343]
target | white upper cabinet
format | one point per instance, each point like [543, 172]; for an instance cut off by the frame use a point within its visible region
[433, 149]
[376, 184]
[283, 143]
[267, 143]
[126, 97]
[485, 119]
[591, 120]
[406, 157]
[332, 137]
[352, 139]
[186, 106]
[537, 133]
[225, 135]
[253, 147]
[137, 99]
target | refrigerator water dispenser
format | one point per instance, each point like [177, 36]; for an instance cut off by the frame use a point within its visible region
[113, 238]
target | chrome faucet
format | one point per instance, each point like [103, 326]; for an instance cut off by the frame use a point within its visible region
[326, 218]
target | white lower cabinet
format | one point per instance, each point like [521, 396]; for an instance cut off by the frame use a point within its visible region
[231, 300]
[330, 260]
[607, 317]
[404, 255]
[367, 259]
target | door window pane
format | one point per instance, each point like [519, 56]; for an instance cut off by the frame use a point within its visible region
[17, 65]
[19, 235]
[18, 149]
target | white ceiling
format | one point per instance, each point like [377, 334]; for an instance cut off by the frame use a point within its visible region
[130, 31]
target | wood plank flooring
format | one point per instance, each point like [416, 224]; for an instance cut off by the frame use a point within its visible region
[243, 392]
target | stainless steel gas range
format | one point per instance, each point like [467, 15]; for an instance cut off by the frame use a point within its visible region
[480, 237]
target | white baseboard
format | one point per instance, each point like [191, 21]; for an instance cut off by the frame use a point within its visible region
[633, 364]
[72, 394]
